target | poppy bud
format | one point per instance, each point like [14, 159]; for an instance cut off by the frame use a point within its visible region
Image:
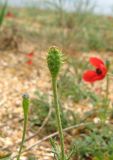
[54, 61]
[25, 96]
[25, 102]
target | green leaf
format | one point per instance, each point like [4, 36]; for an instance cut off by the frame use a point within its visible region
[2, 13]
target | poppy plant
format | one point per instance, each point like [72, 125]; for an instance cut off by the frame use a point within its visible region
[98, 74]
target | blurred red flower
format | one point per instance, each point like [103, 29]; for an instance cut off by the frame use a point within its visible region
[10, 15]
[110, 17]
[30, 58]
[100, 72]
[29, 62]
[30, 55]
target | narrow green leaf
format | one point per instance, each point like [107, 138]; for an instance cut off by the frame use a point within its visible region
[2, 13]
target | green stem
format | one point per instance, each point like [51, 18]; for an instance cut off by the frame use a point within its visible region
[23, 137]
[107, 87]
[57, 108]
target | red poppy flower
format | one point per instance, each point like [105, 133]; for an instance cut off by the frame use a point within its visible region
[110, 17]
[29, 62]
[98, 74]
[30, 55]
[30, 58]
[10, 15]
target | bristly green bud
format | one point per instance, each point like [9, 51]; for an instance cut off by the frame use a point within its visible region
[54, 60]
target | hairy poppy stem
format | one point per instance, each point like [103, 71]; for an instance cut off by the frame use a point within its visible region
[59, 123]
[54, 61]
[107, 79]
[107, 86]
[25, 108]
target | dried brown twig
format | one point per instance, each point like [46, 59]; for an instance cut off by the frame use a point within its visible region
[55, 134]
[42, 126]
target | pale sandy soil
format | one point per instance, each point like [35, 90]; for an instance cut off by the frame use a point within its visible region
[16, 78]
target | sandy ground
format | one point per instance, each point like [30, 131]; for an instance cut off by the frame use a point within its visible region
[16, 78]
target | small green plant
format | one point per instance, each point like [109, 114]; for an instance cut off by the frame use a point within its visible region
[25, 109]
[42, 108]
[96, 144]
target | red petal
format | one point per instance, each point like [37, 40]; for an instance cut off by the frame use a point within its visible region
[30, 55]
[92, 76]
[103, 69]
[89, 76]
[96, 62]
[29, 62]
